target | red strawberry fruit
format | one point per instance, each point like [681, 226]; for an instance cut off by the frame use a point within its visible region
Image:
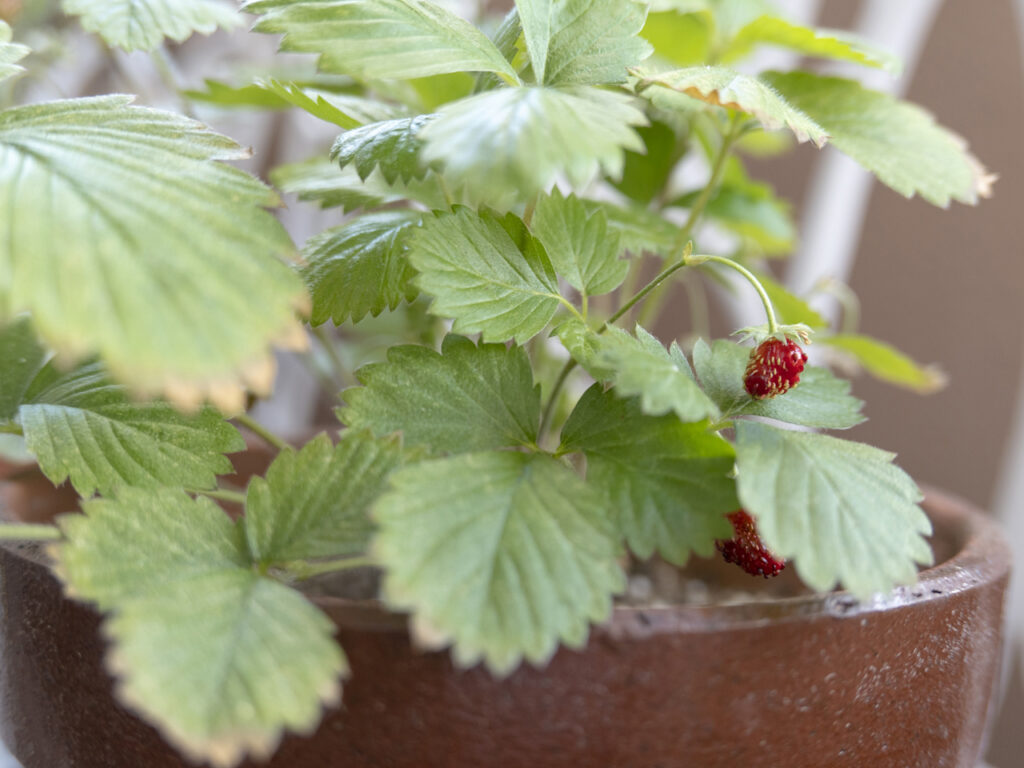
[746, 549]
[774, 367]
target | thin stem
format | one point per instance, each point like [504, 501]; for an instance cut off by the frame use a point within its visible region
[549, 408]
[531, 206]
[10, 428]
[220, 494]
[303, 569]
[650, 312]
[258, 429]
[337, 364]
[773, 324]
[445, 191]
[167, 68]
[26, 532]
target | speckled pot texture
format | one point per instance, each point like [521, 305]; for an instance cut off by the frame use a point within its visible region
[815, 680]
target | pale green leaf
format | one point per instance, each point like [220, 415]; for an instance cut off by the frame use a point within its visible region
[510, 143]
[344, 109]
[583, 344]
[10, 53]
[392, 145]
[789, 308]
[487, 273]
[468, 398]
[360, 267]
[646, 174]
[819, 400]
[682, 38]
[81, 426]
[578, 242]
[842, 511]
[640, 229]
[316, 502]
[164, 261]
[219, 658]
[21, 358]
[583, 42]
[142, 25]
[725, 87]
[885, 362]
[640, 365]
[897, 141]
[821, 43]
[667, 482]
[503, 554]
[375, 39]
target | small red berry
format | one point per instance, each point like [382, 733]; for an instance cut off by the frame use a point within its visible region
[746, 549]
[774, 367]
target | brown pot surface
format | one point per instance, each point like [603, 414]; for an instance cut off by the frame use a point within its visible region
[816, 680]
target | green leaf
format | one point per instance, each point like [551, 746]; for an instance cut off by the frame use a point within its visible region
[640, 229]
[21, 358]
[393, 146]
[380, 39]
[81, 426]
[885, 362]
[315, 502]
[583, 345]
[503, 554]
[142, 25]
[164, 261]
[640, 365]
[360, 267]
[790, 309]
[344, 109]
[821, 43]
[487, 273]
[219, 658]
[578, 242]
[840, 510]
[897, 141]
[667, 482]
[318, 180]
[468, 398]
[646, 174]
[583, 42]
[819, 400]
[682, 38]
[725, 87]
[10, 53]
[510, 143]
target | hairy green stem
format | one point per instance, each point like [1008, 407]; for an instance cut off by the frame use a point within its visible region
[303, 569]
[262, 432]
[653, 309]
[773, 324]
[220, 494]
[26, 532]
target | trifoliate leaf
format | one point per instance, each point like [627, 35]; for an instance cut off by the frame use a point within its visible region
[819, 400]
[164, 261]
[487, 273]
[360, 267]
[583, 42]
[380, 39]
[725, 87]
[10, 53]
[219, 658]
[510, 143]
[82, 426]
[503, 554]
[142, 25]
[821, 43]
[840, 510]
[316, 502]
[885, 362]
[344, 109]
[667, 482]
[21, 358]
[897, 141]
[578, 242]
[468, 398]
[640, 365]
[393, 146]
[640, 229]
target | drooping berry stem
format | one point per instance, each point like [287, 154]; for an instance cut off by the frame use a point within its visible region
[769, 310]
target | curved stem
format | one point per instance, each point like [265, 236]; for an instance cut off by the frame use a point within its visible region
[262, 432]
[549, 408]
[303, 569]
[26, 532]
[773, 324]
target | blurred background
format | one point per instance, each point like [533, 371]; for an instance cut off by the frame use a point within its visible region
[944, 286]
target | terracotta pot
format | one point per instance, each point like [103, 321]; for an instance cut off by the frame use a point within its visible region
[816, 680]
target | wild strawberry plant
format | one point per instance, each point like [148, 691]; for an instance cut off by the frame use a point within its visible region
[535, 183]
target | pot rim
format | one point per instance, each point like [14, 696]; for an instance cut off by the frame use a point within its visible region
[982, 556]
